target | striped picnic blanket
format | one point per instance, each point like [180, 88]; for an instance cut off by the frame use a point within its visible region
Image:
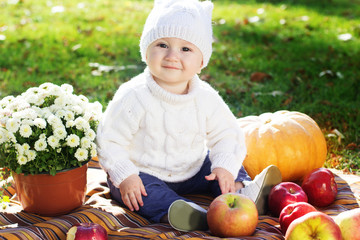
[121, 223]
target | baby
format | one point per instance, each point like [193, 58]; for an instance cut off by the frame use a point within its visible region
[166, 133]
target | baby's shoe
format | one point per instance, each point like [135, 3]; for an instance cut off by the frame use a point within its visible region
[187, 216]
[259, 188]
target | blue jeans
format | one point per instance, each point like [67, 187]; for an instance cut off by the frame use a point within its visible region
[160, 194]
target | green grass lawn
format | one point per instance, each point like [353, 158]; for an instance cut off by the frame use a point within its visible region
[268, 55]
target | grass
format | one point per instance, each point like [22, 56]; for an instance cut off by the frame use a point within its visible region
[268, 55]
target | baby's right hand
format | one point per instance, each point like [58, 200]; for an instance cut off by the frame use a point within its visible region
[131, 190]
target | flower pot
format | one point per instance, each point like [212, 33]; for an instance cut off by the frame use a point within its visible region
[49, 195]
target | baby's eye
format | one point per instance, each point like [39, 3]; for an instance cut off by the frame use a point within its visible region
[186, 49]
[162, 45]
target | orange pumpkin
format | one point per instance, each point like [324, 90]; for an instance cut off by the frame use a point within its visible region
[290, 140]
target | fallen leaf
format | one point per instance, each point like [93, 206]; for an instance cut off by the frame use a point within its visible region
[345, 37]
[326, 72]
[326, 102]
[304, 18]
[287, 101]
[339, 75]
[259, 77]
[253, 97]
[3, 28]
[222, 21]
[81, 5]
[254, 19]
[57, 9]
[76, 47]
[352, 146]
[260, 11]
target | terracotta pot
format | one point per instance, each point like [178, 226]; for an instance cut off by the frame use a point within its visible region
[48, 195]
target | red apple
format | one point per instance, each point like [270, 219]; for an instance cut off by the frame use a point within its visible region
[85, 231]
[349, 223]
[232, 215]
[292, 212]
[284, 194]
[313, 225]
[320, 187]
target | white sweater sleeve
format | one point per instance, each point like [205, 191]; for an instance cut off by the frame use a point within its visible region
[225, 138]
[115, 132]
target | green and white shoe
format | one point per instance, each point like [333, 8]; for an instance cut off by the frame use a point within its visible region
[187, 216]
[259, 188]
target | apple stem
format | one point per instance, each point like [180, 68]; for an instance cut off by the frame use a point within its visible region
[232, 202]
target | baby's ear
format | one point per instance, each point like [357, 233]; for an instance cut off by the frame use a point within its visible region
[208, 7]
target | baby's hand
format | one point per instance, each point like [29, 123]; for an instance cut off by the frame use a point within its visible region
[225, 179]
[131, 190]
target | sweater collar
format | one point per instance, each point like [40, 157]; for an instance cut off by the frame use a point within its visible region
[169, 97]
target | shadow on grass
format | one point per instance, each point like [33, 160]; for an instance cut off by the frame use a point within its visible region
[298, 65]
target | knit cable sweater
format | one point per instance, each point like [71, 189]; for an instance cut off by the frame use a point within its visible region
[148, 129]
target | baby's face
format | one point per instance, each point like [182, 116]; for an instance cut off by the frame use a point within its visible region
[173, 61]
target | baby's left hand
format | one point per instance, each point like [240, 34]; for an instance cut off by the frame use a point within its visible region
[225, 179]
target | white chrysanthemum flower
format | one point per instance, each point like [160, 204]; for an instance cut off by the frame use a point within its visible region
[12, 125]
[96, 110]
[81, 123]
[31, 155]
[70, 124]
[90, 134]
[56, 91]
[46, 113]
[40, 145]
[60, 113]
[25, 130]
[32, 98]
[87, 116]
[73, 140]
[28, 113]
[42, 136]
[11, 137]
[60, 132]
[3, 135]
[67, 88]
[6, 100]
[85, 142]
[53, 142]
[77, 109]
[27, 122]
[40, 101]
[18, 105]
[19, 149]
[69, 115]
[83, 98]
[47, 86]
[54, 121]
[40, 123]
[22, 159]
[25, 147]
[93, 151]
[31, 91]
[81, 154]
[60, 101]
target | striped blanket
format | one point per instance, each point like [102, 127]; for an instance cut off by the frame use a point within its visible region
[121, 223]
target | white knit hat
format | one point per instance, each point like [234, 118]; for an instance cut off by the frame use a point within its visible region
[189, 20]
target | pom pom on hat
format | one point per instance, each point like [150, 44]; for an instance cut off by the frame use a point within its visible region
[189, 20]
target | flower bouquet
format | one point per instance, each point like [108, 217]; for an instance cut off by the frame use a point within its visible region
[47, 129]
